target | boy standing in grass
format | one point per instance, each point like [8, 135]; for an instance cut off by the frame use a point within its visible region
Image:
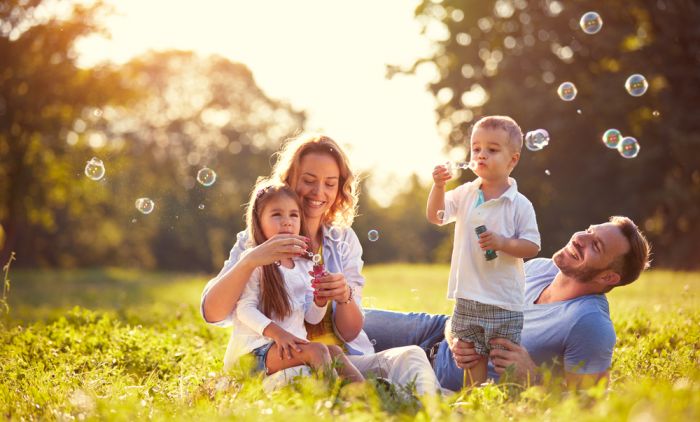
[495, 229]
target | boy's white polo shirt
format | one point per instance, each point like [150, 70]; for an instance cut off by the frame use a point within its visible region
[501, 281]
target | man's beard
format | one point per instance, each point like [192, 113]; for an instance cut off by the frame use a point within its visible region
[583, 275]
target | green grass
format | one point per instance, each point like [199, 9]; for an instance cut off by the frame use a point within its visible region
[119, 345]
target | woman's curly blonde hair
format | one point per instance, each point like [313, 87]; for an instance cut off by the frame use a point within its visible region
[286, 170]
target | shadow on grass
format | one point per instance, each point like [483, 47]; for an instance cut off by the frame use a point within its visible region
[45, 295]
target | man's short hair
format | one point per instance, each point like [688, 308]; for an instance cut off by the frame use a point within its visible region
[515, 134]
[637, 259]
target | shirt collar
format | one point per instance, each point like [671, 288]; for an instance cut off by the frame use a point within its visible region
[511, 193]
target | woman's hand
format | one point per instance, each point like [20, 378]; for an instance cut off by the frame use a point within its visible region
[276, 248]
[330, 286]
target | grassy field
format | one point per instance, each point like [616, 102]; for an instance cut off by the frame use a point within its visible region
[119, 345]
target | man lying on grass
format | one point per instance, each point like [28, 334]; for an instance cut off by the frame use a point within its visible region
[566, 318]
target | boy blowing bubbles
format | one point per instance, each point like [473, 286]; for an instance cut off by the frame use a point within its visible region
[488, 287]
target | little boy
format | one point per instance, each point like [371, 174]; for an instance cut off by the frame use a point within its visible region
[495, 229]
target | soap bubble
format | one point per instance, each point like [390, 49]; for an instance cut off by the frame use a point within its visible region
[636, 85]
[567, 91]
[591, 23]
[611, 138]
[537, 139]
[145, 205]
[655, 113]
[343, 248]
[373, 235]
[206, 176]
[628, 147]
[441, 215]
[335, 233]
[547, 172]
[453, 166]
[316, 258]
[201, 206]
[95, 169]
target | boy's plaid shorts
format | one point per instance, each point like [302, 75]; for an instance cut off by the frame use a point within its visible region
[478, 322]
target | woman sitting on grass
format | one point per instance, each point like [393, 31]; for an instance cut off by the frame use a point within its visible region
[318, 171]
[279, 298]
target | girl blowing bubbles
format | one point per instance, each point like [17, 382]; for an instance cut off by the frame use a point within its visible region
[270, 314]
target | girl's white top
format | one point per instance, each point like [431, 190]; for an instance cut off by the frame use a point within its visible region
[342, 253]
[249, 322]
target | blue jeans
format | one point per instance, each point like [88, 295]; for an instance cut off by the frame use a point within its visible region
[387, 329]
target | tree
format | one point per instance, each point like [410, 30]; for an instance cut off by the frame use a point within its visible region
[42, 92]
[508, 57]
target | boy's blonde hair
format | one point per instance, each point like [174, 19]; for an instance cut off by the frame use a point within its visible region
[286, 170]
[515, 134]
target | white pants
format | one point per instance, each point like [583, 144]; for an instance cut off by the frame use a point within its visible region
[400, 365]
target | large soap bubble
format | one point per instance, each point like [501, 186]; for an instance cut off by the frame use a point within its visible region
[537, 139]
[567, 91]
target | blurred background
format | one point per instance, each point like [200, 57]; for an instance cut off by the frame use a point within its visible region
[158, 91]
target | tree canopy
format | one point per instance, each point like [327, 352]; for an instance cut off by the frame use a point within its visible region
[509, 57]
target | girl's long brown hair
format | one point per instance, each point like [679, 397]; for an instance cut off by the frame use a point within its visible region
[274, 300]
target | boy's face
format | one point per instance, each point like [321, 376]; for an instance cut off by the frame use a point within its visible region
[493, 153]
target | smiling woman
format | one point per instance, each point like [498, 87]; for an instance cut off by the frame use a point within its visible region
[318, 171]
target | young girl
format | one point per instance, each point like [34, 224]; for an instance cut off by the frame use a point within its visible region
[279, 297]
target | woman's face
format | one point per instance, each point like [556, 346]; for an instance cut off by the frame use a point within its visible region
[317, 184]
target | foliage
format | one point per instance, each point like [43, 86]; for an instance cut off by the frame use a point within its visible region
[154, 122]
[136, 347]
[509, 56]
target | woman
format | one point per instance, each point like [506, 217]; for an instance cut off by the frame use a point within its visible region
[318, 171]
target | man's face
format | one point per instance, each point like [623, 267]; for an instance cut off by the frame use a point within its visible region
[590, 252]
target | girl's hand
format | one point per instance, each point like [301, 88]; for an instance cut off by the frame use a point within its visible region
[490, 240]
[285, 341]
[330, 286]
[441, 175]
[277, 248]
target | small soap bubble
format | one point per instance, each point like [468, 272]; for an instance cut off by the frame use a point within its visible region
[316, 258]
[95, 169]
[537, 139]
[655, 113]
[201, 206]
[547, 172]
[579, 111]
[374, 342]
[373, 235]
[628, 147]
[636, 85]
[133, 220]
[591, 23]
[206, 176]
[97, 112]
[441, 215]
[145, 205]
[611, 138]
[567, 91]
[343, 248]
[335, 233]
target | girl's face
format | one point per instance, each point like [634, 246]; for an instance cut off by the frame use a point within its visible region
[317, 184]
[281, 214]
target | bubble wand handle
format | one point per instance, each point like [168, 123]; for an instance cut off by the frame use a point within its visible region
[490, 254]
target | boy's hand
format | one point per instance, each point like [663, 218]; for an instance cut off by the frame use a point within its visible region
[491, 240]
[285, 341]
[441, 175]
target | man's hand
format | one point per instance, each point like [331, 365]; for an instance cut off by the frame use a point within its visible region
[512, 355]
[464, 354]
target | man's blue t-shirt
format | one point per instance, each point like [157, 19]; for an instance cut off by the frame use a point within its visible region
[577, 333]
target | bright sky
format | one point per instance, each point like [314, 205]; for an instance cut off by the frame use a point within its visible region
[326, 57]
